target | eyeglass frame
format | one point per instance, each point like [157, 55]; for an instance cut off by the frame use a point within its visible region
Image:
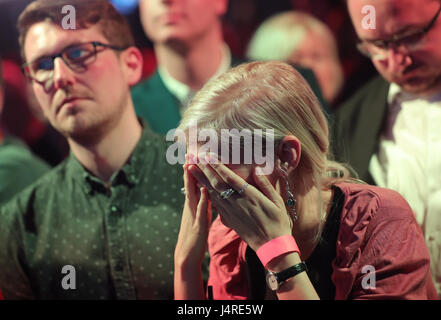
[396, 41]
[60, 55]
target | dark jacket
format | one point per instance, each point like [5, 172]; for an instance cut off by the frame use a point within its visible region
[357, 126]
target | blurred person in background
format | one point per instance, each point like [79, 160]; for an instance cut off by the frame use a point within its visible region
[18, 166]
[190, 50]
[22, 117]
[301, 39]
[19, 119]
[187, 38]
[389, 131]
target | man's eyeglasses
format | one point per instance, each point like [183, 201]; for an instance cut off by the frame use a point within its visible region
[377, 49]
[76, 57]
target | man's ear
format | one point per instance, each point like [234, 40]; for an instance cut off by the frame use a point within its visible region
[221, 7]
[289, 151]
[132, 62]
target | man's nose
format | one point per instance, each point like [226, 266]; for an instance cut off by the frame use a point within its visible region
[397, 60]
[63, 75]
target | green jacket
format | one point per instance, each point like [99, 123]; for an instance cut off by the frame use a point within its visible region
[160, 108]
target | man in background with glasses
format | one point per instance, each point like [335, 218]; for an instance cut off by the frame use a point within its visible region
[390, 131]
[104, 223]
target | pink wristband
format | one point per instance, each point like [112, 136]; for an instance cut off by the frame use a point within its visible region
[276, 247]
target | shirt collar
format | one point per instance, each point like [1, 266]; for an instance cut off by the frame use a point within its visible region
[396, 94]
[180, 90]
[130, 174]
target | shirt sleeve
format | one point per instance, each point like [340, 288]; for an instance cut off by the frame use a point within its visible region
[395, 263]
[381, 251]
[14, 283]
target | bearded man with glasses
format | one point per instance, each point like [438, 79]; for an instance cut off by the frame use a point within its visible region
[390, 130]
[111, 211]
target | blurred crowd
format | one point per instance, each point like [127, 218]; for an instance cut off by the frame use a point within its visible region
[352, 91]
[337, 64]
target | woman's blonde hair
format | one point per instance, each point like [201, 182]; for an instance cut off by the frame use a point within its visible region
[269, 95]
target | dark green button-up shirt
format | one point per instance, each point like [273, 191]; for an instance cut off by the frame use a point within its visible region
[117, 242]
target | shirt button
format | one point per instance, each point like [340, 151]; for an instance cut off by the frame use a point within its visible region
[114, 209]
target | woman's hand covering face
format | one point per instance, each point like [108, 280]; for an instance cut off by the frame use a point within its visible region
[258, 214]
[195, 223]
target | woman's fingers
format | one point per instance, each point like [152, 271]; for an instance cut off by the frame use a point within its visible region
[199, 175]
[223, 178]
[192, 191]
[187, 186]
[212, 180]
[229, 178]
[188, 183]
[202, 214]
[218, 178]
[266, 187]
[242, 188]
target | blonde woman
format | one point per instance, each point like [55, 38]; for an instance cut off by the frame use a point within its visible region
[306, 228]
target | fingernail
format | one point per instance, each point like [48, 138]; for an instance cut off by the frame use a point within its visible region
[209, 158]
[259, 171]
[202, 158]
[212, 158]
[191, 158]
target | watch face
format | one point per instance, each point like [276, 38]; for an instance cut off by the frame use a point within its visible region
[271, 281]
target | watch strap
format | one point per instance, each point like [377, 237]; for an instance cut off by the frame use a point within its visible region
[291, 272]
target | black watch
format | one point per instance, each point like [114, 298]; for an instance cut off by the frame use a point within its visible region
[275, 279]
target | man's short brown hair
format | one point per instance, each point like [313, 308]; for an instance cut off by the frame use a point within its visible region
[113, 25]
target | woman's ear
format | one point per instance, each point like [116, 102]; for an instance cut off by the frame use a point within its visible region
[133, 61]
[289, 151]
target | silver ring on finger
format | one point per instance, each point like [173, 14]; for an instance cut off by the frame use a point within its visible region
[243, 188]
[227, 193]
